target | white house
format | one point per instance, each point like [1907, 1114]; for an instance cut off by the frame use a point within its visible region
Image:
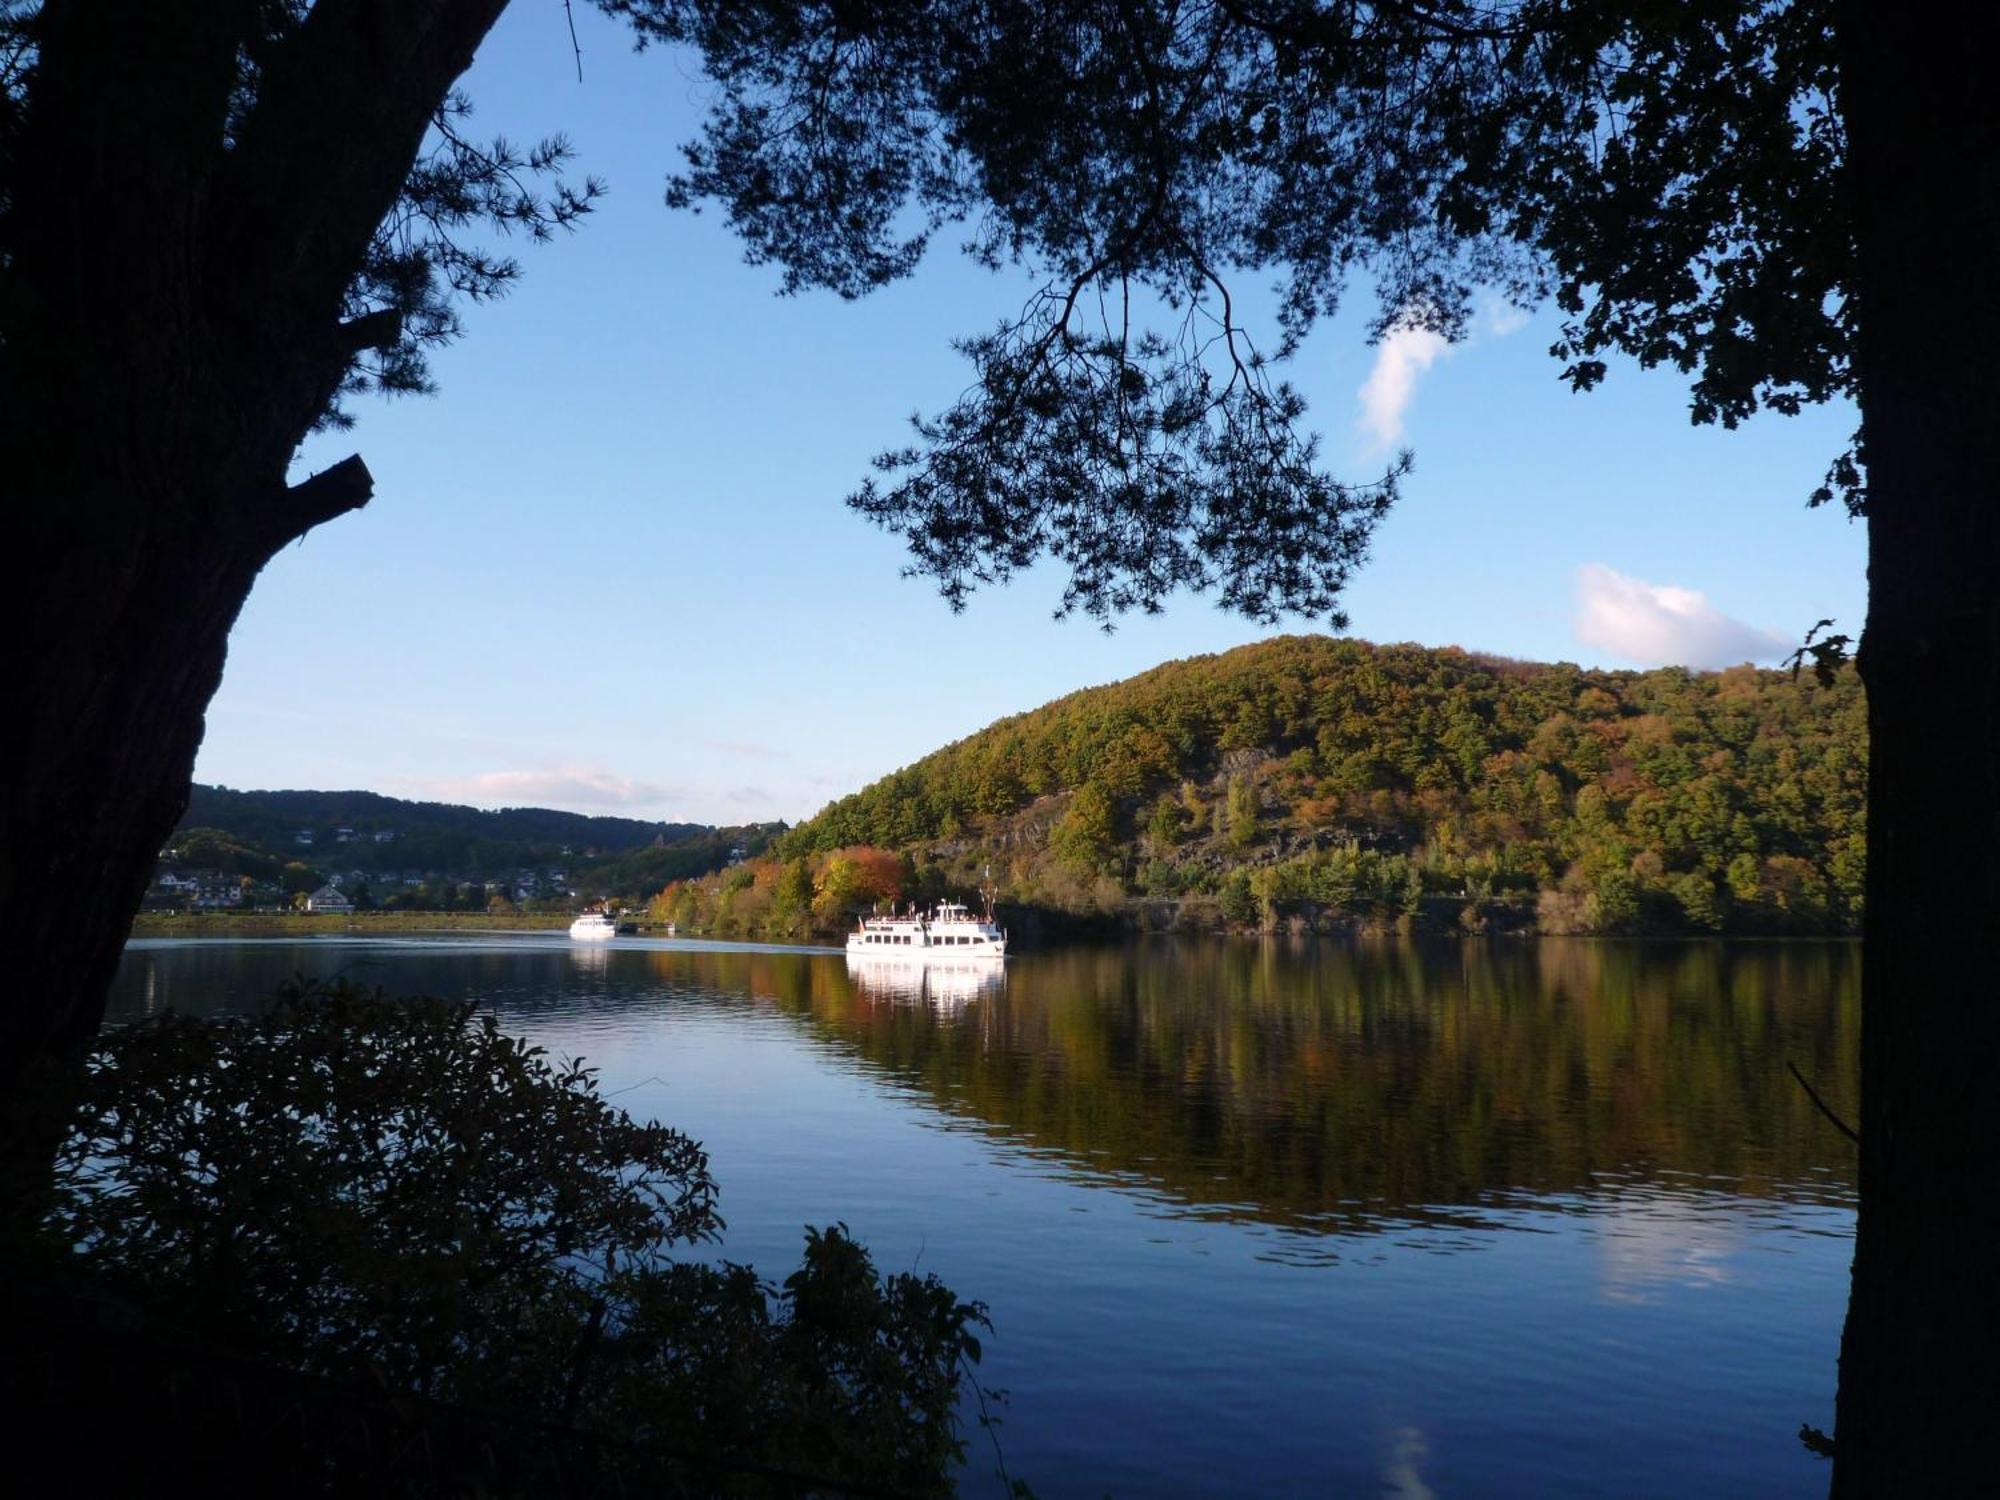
[327, 899]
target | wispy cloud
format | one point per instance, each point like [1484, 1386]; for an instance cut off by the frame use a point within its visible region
[1660, 624]
[1405, 353]
[574, 787]
[1400, 359]
[1498, 317]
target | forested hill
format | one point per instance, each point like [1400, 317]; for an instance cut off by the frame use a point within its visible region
[1306, 773]
[274, 819]
[291, 840]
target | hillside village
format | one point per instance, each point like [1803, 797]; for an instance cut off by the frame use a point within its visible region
[239, 851]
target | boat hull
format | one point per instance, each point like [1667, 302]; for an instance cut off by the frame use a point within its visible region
[914, 945]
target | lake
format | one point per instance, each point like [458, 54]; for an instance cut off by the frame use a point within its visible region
[1381, 1218]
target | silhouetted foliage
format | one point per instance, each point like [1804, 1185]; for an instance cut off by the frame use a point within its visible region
[1147, 159]
[351, 1185]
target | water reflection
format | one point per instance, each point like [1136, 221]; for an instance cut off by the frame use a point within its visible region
[1319, 1087]
[1333, 1088]
[948, 984]
[592, 958]
[1538, 1218]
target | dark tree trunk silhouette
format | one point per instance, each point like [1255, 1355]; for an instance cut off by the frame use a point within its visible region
[174, 330]
[1917, 1389]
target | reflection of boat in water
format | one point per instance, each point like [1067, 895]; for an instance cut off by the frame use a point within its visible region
[592, 925]
[937, 979]
[948, 930]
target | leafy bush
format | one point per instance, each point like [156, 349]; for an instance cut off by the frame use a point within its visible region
[352, 1185]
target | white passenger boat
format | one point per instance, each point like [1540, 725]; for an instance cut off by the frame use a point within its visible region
[593, 924]
[947, 930]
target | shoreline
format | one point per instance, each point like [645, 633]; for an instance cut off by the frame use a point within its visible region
[224, 924]
[306, 924]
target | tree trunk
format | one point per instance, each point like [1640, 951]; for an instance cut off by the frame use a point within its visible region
[120, 648]
[1917, 1389]
[176, 276]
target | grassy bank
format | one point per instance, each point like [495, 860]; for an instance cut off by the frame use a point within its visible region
[304, 924]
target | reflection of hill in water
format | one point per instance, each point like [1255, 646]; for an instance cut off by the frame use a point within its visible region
[1320, 1085]
[1336, 1087]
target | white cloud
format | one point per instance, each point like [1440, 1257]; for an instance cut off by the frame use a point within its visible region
[1498, 317]
[572, 787]
[1402, 356]
[1659, 624]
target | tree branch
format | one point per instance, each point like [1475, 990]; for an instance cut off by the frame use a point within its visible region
[330, 142]
[1820, 1104]
[382, 329]
[332, 492]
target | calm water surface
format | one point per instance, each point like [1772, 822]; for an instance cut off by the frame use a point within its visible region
[1260, 1219]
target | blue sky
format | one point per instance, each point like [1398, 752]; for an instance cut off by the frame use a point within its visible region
[607, 566]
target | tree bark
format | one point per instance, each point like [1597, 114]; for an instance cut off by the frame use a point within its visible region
[173, 292]
[1917, 1388]
[113, 695]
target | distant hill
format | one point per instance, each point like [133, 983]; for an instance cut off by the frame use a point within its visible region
[258, 833]
[1306, 778]
[273, 820]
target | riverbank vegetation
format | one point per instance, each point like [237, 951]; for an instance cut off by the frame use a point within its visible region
[1315, 782]
[393, 1197]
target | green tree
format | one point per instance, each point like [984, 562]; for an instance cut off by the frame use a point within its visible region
[791, 898]
[1238, 901]
[839, 887]
[1701, 904]
[1243, 810]
[1614, 903]
[1085, 833]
